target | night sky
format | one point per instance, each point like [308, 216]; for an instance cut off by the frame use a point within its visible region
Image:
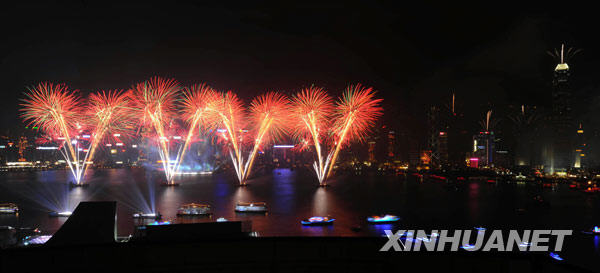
[490, 56]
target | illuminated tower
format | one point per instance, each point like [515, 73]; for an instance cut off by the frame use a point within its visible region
[438, 138]
[561, 118]
[391, 145]
[580, 148]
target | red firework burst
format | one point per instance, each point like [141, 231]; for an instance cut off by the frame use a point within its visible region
[109, 113]
[269, 114]
[311, 109]
[355, 113]
[53, 108]
[198, 105]
[154, 100]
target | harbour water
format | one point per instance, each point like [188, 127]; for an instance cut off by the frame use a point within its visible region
[294, 195]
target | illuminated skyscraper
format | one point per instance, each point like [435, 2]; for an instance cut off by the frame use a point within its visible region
[438, 138]
[484, 148]
[580, 148]
[561, 117]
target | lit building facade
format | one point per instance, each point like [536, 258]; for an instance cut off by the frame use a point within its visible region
[484, 149]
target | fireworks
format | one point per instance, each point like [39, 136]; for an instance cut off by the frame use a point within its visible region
[109, 114]
[311, 109]
[350, 120]
[197, 106]
[355, 113]
[269, 112]
[55, 110]
[60, 114]
[164, 111]
[153, 102]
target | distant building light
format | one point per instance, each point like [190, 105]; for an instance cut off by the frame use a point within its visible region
[85, 136]
[582, 155]
[2, 146]
[283, 146]
[221, 130]
[108, 145]
[133, 146]
[46, 148]
[580, 131]
[60, 138]
[442, 133]
[119, 144]
[113, 151]
[117, 135]
[119, 162]
[19, 163]
[176, 137]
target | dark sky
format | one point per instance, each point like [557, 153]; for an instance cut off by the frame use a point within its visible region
[491, 55]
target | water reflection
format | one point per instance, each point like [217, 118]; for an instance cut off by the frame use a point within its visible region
[291, 197]
[320, 202]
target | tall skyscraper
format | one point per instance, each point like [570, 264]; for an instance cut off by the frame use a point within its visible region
[438, 138]
[561, 117]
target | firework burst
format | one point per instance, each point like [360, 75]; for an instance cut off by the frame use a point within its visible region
[269, 113]
[311, 109]
[230, 114]
[153, 102]
[56, 110]
[60, 113]
[197, 109]
[108, 114]
[355, 114]
[349, 120]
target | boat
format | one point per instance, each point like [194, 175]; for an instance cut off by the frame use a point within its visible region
[555, 256]
[388, 218]
[317, 220]
[593, 231]
[193, 209]
[141, 215]
[467, 246]
[60, 214]
[251, 207]
[8, 208]
[160, 223]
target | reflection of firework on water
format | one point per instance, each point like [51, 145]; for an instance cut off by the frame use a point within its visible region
[353, 116]
[153, 102]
